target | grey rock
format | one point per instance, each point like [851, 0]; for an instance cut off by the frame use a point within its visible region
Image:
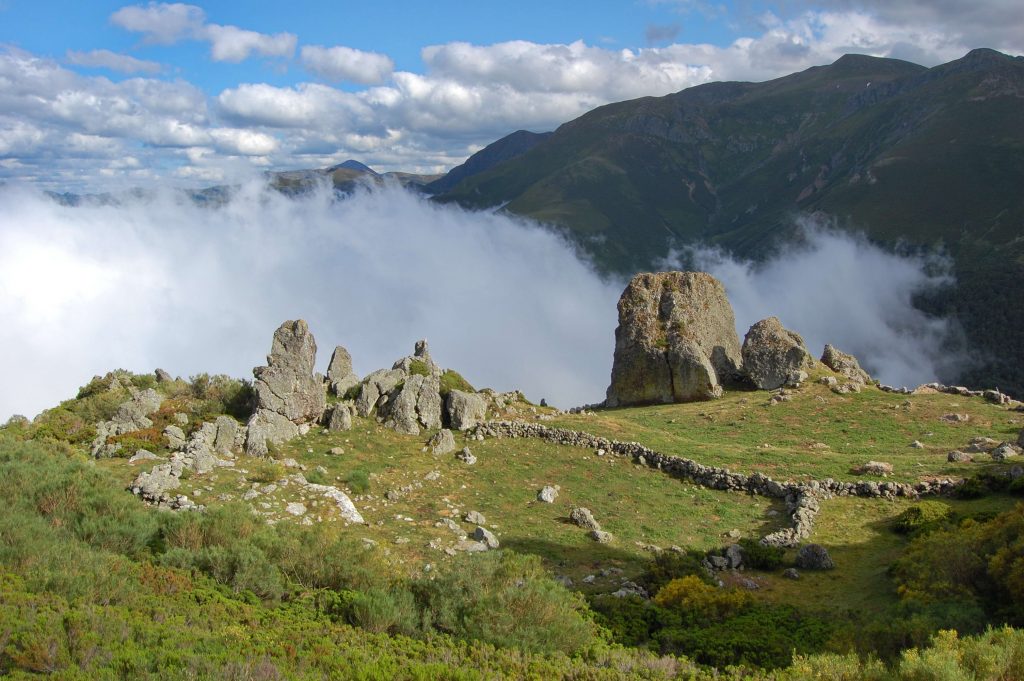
[771, 353]
[442, 442]
[601, 537]
[584, 518]
[719, 562]
[876, 468]
[734, 555]
[341, 417]
[629, 588]
[416, 404]
[142, 455]
[163, 377]
[175, 437]
[131, 416]
[956, 456]
[226, 434]
[844, 364]
[154, 485]
[466, 456]
[475, 517]
[464, 410]
[814, 557]
[200, 453]
[295, 508]
[547, 494]
[378, 384]
[791, 573]
[340, 377]
[265, 427]
[980, 445]
[1005, 451]
[428, 403]
[676, 340]
[452, 526]
[955, 418]
[484, 535]
[917, 444]
[180, 418]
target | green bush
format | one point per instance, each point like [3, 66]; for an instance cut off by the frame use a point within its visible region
[453, 380]
[418, 367]
[358, 480]
[760, 557]
[925, 515]
[669, 565]
[696, 597]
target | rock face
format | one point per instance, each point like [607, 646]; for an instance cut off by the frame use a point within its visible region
[340, 376]
[676, 340]
[772, 354]
[406, 397]
[288, 393]
[844, 364]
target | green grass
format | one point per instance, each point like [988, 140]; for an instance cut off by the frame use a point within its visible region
[870, 426]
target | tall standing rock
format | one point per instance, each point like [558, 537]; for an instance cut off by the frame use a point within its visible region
[340, 376]
[773, 353]
[676, 340]
[288, 393]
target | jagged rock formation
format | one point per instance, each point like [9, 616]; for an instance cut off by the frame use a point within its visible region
[131, 416]
[773, 355]
[676, 340]
[844, 364]
[288, 393]
[465, 410]
[340, 376]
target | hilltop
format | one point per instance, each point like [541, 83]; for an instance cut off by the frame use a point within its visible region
[406, 525]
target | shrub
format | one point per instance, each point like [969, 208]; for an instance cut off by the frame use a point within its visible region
[418, 367]
[698, 597]
[265, 471]
[383, 611]
[923, 516]
[669, 565]
[760, 557]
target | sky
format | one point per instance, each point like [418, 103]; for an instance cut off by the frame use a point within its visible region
[98, 96]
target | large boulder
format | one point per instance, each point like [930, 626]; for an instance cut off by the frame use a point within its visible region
[340, 376]
[288, 393]
[773, 354]
[814, 557]
[465, 410]
[844, 364]
[676, 340]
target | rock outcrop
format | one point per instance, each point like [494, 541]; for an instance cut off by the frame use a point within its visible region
[844, 364]
[130, 416]
[288, 393]
[676, 340]
[340, 376]
[465, 410]
[773, 355]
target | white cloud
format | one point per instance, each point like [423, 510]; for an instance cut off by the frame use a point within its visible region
[246, 142]
[233, 44]
[347, 64]
[166, 283]
[106, 59]
[166, 24]
[161, 23]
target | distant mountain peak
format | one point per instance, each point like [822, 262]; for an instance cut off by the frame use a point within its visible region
[352, 164]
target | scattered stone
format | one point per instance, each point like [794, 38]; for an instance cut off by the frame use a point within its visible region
[484, 535]
[180, 418]
[791, 573]
[337, 451]
[917, 444]
[466, 456]
[584, 518]
[733, 533]
[548, 494]
[295, 508]
[771, 353]
[629, 588]
[475, 517]
[956, 456]
[1005, 451]
[564, 581]
[876, 468]
[955, 418]
[442, 442]
[451, 525]
[718, 562]
[142, 455]
[340, 377]
[830, 381]
[814, 557]
[749, 584]
[432, 475]
[981, 445]
[465, 410]
[676, 340]
[844, 364]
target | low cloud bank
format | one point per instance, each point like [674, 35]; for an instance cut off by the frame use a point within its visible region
[834, 287]
[162, 282]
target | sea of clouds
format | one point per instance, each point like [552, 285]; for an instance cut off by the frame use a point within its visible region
[161, 282]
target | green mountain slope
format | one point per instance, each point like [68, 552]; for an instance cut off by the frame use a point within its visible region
[916, 157]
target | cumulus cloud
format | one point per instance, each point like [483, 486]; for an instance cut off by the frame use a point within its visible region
[164, 283]
[166, 24]
[105, 59]
[347, 64]
[833, 287]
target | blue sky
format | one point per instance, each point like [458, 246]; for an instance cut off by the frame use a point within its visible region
[100, 95]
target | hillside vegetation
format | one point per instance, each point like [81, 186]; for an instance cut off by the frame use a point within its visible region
[97, 584]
